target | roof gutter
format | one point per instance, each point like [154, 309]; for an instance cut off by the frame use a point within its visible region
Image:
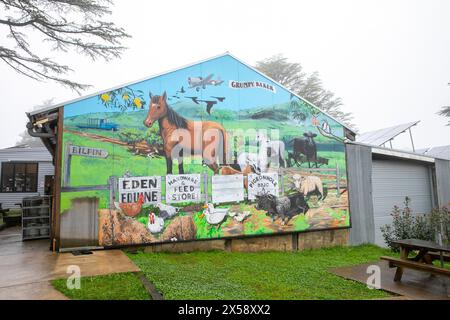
[43, 127]
[39, 133]
[395, 153]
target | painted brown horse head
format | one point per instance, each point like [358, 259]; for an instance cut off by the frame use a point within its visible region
[157, 109]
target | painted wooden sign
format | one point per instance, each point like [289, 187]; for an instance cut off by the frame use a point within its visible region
[131, 188]
[183, 188]
[227, 188]
[265, 183]
[87, 152]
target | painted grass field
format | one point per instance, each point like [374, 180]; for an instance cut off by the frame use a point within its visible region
[95, 171]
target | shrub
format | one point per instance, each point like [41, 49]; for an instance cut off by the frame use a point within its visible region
[152, 136]
[424, 227]
[131, 136]
[440, 220]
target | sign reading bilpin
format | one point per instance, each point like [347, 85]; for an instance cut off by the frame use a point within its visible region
[71, 150]
[87, 152]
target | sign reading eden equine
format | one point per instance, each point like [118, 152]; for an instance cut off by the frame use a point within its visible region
[131, 188]
[265, 183]
[183, 188]
[87, 152]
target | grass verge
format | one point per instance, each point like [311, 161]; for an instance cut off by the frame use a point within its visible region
[263, 275]
[116, 286]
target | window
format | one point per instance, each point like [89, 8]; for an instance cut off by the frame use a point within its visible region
[19, 177]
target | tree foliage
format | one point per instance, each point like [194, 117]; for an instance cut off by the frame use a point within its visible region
[445, 112]
[76, 25]
[309, 87]
[123, 99]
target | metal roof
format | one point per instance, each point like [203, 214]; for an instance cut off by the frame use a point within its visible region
[56, 106]
[442, 152]
[381, 136]
[395, 152]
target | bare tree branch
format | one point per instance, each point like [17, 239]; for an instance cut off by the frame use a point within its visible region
[445, 112]
[68, 25]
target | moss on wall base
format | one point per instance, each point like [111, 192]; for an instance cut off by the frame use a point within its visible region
[285, 242]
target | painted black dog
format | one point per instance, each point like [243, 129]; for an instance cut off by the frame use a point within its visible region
[285, 207]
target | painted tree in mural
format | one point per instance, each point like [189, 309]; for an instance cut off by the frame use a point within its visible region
[67, 26]
[292, 76]
[123, 99]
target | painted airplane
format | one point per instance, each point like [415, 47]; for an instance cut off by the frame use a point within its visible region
[200, 82]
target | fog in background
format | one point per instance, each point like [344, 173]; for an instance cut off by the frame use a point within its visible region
[388, 60]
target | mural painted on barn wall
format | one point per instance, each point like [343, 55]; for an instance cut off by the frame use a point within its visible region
[208, 151]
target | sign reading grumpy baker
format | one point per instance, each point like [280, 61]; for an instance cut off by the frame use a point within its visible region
[265, 183]
[233, 84]
[183, 188]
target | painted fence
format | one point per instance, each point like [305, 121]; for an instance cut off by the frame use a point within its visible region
[188, 187]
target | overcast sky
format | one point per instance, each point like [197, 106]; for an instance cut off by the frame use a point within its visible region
[388, 60]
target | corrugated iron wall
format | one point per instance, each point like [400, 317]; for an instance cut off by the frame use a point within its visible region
[359, 173]
[443, 181]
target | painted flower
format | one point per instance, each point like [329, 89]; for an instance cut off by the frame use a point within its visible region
[125, 96]
[105, 97]
[315, 121]
[137, 102]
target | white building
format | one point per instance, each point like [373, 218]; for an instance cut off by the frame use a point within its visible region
[24, 171]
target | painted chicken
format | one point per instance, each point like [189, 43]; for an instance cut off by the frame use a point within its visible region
[239, 216]
[155, 224]
[130, 209]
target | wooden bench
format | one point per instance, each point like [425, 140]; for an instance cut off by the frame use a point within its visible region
[431, 256]
[402, 263]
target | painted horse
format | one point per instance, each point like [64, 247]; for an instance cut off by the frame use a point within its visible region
[202, 138]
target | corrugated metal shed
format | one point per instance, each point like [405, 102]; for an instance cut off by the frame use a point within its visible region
[381, 177]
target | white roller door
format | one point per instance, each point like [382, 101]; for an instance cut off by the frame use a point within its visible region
[392, 181]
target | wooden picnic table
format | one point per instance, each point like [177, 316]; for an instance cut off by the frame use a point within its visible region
[3, 211]
[427, 252]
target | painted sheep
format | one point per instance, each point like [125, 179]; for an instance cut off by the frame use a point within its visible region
[308, 185]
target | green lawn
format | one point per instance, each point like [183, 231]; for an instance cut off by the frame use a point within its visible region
[271, 275]
[235, 276]
[116, 286]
